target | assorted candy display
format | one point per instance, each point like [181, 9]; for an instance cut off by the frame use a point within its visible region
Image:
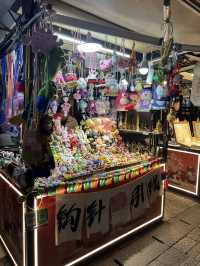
[95, 145]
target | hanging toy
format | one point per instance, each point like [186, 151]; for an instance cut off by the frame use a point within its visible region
[138, 84]
[145, 100]
[132, 62]
[92, 77]
[132, 87]
[41, 41]
[134, 98]
[114, 62]
[92, 108]
[123, 84]
[105, 64]
[101, 80]
[81, 83]
[122, 101]
[59, 78]
[167, 43]
[150, 74]
[66, 106]
[91, 92]
[174, 79]
[82, 107]
[71, 80]
[111, 83]
[77, 96]
[158, 101]
[53, 105]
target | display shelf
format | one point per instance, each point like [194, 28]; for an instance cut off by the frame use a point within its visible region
[98, 181]
[132, 131]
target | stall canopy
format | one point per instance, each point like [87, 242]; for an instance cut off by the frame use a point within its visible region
[139, 20]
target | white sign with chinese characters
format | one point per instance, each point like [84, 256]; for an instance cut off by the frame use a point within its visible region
[99, 212]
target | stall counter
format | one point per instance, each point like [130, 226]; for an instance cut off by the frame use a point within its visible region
[66, 228]
[182, 169]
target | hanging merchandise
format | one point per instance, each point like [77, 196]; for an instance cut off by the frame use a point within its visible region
[195, 92]
[158, 76]
[145, 100]
[111, 85]
[132, 62]
[174, 79]
[158, 97]
[167, 42]
[138, 84]
[105, 64]
[150, 75]
[123, 84]
[114, 62]
[3, 91]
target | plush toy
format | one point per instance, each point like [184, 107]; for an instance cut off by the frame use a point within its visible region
[134, 99]
[59, 78]
[138, 84]
[159, 94]
[122, 101]
[111, 83]
[150, 75]
[84, 93]
[145, 100]
[81, 83]
[83, 105]
[122, 63]
[123, 84]
[92, 107]
[105, 64]
[77, 96]
[92, 77]
[70, 77]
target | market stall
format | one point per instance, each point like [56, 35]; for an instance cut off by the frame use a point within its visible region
[183, 160]
[75, 220]
[83, 138]
[183, 153]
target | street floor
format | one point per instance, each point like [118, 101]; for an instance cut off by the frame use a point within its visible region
[174, 242]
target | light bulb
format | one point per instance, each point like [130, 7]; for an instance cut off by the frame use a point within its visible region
[143, 70]
[89, 47]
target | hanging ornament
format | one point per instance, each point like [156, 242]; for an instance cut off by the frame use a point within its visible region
[81, 83]
[167, 44]
[105, 64]
[132, 62]
[41, 41]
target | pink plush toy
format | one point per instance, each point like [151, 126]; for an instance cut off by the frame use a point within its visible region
[59, 79]
[70, 77]
[106, 64]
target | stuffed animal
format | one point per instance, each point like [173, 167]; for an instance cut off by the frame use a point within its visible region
[92, 77]
[105, 64]
[145, 100]
[82, 84]
[158, 101]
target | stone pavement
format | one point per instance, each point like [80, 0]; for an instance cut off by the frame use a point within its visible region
[174, 242]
